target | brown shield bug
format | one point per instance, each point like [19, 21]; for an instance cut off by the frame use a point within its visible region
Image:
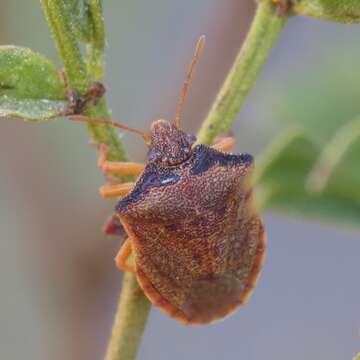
[197, 240]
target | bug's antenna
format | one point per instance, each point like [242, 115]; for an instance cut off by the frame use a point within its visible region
[86, 119]
[185, 88]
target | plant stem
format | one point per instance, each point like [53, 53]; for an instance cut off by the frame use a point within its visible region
[263, 33]
[130, 321]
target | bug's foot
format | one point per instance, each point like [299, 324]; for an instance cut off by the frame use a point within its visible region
[123, 256]
[111, 190]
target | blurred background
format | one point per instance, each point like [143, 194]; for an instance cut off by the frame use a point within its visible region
[59, 286]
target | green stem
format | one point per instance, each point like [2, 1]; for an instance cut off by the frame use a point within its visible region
[263, 33]
[130, 321]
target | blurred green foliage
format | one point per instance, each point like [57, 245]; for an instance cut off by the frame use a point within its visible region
[314, 170]
[343, 11]
[284, 174]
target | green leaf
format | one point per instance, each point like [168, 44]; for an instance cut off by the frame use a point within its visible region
[343, 11]
[31, 109]
[283, 172]
[31, 87]
[80, 19]
[320, 176]
[338, 160]
[97, 44]
[322, 101]
[27, 74]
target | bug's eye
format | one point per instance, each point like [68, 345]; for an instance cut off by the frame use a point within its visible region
[153, 155]
[190, 138]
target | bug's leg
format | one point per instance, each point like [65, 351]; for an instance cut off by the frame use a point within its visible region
[115, 190]
[123, 255]
[117, 167]
[225, 144]
[114, 227]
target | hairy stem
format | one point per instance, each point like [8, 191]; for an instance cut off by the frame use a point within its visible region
[263, 33]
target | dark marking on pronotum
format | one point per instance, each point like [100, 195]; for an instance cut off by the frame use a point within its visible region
[205, 158]
[153, 176]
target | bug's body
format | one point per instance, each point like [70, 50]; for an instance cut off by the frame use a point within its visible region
[197, 242]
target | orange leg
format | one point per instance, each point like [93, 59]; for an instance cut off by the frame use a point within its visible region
[117, 167]
[225, 144]
[114, 190]
[123, 255]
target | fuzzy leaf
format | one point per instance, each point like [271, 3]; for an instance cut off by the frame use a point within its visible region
[282, 176]
[85, 18]
[80, 19]
[343, 11]
[31, 87]
[31, 109]
[97, 44]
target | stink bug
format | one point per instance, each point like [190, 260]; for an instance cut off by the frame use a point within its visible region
[191, 224]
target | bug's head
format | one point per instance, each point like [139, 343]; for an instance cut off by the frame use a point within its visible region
[169, 145]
